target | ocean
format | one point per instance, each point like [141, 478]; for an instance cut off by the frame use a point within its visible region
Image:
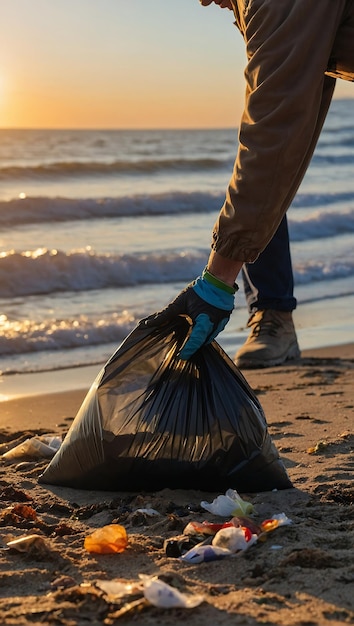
[100, 228]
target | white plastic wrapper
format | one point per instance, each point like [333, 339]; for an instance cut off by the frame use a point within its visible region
[164, 596]
[282, 519]
[233, 539]
[155, 591]
[118, 588]
[43, 447]
[206, 553]
[148, 512]
[229, 504]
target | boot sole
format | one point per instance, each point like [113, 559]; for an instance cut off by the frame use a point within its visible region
[245, 362]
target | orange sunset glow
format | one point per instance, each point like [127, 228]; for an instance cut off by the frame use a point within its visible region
[120, 65]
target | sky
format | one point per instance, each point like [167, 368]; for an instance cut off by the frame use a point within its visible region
[121, 64]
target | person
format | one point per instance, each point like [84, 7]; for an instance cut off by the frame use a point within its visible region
[270, 301]
[296, 50]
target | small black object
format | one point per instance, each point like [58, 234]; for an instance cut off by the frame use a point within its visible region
[176, 546]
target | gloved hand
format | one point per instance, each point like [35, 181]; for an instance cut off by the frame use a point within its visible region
[208, 302]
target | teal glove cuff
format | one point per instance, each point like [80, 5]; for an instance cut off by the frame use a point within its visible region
[216, 296]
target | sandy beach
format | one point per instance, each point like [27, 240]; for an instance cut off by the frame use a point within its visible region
[302, 573]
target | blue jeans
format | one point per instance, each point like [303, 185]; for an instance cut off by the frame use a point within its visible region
[269, 281]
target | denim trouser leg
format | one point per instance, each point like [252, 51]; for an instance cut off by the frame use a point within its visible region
[268, 282]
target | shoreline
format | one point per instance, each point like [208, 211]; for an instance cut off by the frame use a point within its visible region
[77, 379]
[35, 409]
[318, 327]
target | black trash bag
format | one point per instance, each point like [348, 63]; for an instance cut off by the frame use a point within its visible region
[152, 421]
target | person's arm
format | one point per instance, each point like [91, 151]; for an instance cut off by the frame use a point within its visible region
[287, 97]
[288, 47]
[223, 268]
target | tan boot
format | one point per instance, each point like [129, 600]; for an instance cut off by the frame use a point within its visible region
[272, 340]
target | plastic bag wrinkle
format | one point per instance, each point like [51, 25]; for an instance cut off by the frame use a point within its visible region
[152, 421]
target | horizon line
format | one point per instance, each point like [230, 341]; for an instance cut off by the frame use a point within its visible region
[116, 128]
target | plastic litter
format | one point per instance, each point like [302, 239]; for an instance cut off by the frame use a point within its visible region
[274, 522]
[216, 541]
[246, 522]
[154, 590]
[177, 546]
[44, 447]
[204, 528]
[29, 543]
[319, 447]
[118, 588]
[202, 553]
[148, 512]
[151, 421]
[229, 504]
[106, 540]
[162, 595]
[234, 539]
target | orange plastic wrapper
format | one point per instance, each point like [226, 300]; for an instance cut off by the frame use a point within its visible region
[269, 524]
[107, 540]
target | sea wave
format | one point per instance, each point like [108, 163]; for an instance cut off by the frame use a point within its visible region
[45, 271]
[32, 210]
[42, 209]
[59, 169]
[322, 224]
[31, 336]
[333, 158]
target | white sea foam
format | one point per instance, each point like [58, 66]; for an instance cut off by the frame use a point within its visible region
[51, 271]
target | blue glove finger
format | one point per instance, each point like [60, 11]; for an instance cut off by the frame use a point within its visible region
[221, 325]
[201, 331]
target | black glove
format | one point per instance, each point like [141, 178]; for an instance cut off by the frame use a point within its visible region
[208, 302]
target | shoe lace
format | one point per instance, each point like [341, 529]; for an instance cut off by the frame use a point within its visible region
[263, 326]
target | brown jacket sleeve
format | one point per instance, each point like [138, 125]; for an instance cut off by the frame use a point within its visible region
[289, 46]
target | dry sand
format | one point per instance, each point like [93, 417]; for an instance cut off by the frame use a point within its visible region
[302, 574]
